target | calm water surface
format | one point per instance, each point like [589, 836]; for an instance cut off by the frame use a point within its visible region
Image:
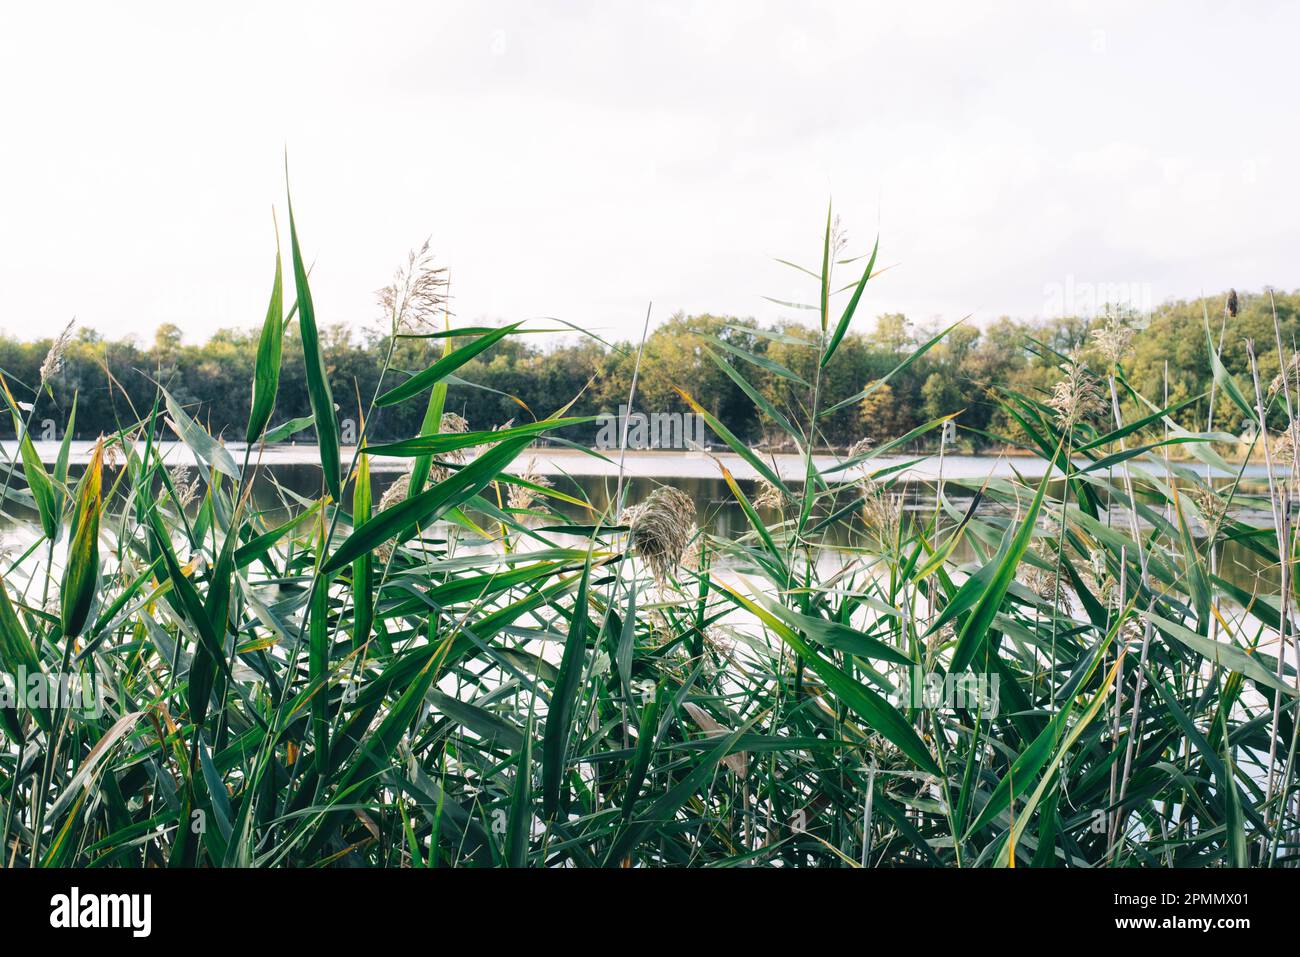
[594, 478]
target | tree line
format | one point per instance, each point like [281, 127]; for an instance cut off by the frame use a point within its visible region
[525, 377]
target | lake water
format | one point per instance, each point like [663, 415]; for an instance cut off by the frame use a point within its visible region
[593, 477]
[642, 464]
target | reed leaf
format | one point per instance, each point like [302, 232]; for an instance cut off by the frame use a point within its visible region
[266, 373]
[81, 574]
[318, 384]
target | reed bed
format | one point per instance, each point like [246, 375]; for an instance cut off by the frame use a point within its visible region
[460, 673]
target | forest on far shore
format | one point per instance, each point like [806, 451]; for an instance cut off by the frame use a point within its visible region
[520, 381]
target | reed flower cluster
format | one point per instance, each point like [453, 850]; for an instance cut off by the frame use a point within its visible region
[1213, 508]
[1113, 338]
[520, 497]
[1045, 581]
[768, 495]
[438, 472]
[187, 489]
[660, 529]
[1286, 444]
[53, 361]
[882, 512]
[1077, 397]
[1288, 376]
[416, 295]
[452, 424]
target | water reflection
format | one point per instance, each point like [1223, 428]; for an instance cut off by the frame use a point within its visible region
[275, 490]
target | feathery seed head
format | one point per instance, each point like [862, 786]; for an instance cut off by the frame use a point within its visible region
[521, 497]
[1288, 376]
[395, 492]
[860, 448]
[54, 358]
[1286, 445]
[882, 512]
[1045, 582]
[416, 295]
[187, 490]
[1113, 338]
[451, 423]
[1212, 507]
[1077, 397]
[769, 496]
[661, 528]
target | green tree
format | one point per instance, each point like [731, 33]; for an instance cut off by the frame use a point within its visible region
[880, 415]
[940, 396]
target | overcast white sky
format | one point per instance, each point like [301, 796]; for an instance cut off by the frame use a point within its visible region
[578, 159]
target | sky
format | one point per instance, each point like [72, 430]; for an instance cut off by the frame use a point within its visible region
[578, 160]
